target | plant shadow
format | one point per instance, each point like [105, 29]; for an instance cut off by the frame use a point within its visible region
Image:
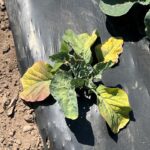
[47, 102]
[129, 26]
[81, 127]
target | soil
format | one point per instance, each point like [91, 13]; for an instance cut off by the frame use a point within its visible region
[18, 130]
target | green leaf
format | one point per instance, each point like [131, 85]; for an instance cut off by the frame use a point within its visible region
[78, 82]
[116, 7]
[81, 70]
[99, 69]
[36, 82]
[56, 67]
[59, 57]
[63, 91]
[90, 84]
[119, 7]
[144, 2]
[81, 44]
[147, 23]
[64, 47]
[114, 107]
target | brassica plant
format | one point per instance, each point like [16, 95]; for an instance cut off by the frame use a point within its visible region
[75, 68]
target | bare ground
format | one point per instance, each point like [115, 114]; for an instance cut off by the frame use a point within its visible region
[18, 130]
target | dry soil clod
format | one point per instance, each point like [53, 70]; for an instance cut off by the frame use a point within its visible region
[27, 128]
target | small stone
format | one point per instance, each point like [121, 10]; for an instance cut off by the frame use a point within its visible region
[30, 111]
[2, 139]
[5, 86]
[15, 148]
[6, 49]
[18, 141]
[6, 17]
[8, 93]
[1, 90]
[12, 133]
[4, 142]
[27, 128]
[1, 111]
[29, 118]
[33, 133]
[2, 5]
[38, 142]
[3, 27]
[10, 107]
[7, 60]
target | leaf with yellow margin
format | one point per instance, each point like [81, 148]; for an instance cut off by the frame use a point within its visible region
[114, 107]
[81, 44]
[36, 82]
[110, 50]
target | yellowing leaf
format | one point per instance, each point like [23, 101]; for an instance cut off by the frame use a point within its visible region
[110, 50]
[87, 39]
[114, 107]
[36, 82]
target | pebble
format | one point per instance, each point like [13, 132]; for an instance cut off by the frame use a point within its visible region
[2, 5]
[18, 141]
[6, 26]
[12, 133]
[6, 17]
[15, 148]
[2, 139]
[6, 49]
[10, 109]
[30, 111]
[29, 118]
[3, 27]
[1, 90]
[5, 85]
[33, 133]
[8, 93]
[27, 128]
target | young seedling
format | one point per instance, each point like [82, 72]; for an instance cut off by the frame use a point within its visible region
[73, 67]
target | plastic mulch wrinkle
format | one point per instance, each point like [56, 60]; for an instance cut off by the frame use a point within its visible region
[38, 27]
